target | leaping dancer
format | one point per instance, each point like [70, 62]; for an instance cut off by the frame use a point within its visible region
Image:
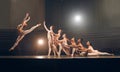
[23, 32]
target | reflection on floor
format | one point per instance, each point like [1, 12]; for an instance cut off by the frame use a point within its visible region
[55, 57]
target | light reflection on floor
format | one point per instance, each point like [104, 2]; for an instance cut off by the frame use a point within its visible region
[55, 57]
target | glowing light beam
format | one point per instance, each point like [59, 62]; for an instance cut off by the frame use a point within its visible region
[40, 41]
[77, 18]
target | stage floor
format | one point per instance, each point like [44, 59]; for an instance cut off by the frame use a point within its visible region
[60, 64]
[56, 57]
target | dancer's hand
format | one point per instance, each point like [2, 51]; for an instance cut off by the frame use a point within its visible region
[27, 14]
[39, 24]
[43, 22]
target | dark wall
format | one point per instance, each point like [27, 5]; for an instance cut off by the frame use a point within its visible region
[20, 7]
[13, 11]
[104, 27]
[5, 14]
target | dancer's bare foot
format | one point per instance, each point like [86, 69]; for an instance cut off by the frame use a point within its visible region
[11, 49]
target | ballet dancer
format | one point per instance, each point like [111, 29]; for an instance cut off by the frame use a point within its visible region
[81, 49]
[73, 45]
[50, 37]
[91, 51]
[23, 32]
[56, 37]
[63, 45]
[56, 41]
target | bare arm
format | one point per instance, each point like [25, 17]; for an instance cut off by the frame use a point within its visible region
[45, 26]
[27, 14]
[20, 27]
[67, 39]
[27, 19]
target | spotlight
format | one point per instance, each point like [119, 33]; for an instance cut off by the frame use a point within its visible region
[40, 41]
[77, 18]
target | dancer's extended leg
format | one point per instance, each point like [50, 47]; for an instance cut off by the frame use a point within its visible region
[73, 51]
[31, 29]
[17, 42]
[60, 49]
[66, 51]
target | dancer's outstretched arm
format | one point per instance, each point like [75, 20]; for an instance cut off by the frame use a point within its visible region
[27, 15]
[45, 26]
[27, 19]
[21, 26]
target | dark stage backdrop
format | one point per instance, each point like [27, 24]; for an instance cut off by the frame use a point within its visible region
[11, 14]
[103, 19]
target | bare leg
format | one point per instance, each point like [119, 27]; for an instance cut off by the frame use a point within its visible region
[54, 50]
[49, 45]
[17, 42]
[18, 38]
[66, 52]
[60, 48]
[49, 52]
[31, 29]
[73, 51]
